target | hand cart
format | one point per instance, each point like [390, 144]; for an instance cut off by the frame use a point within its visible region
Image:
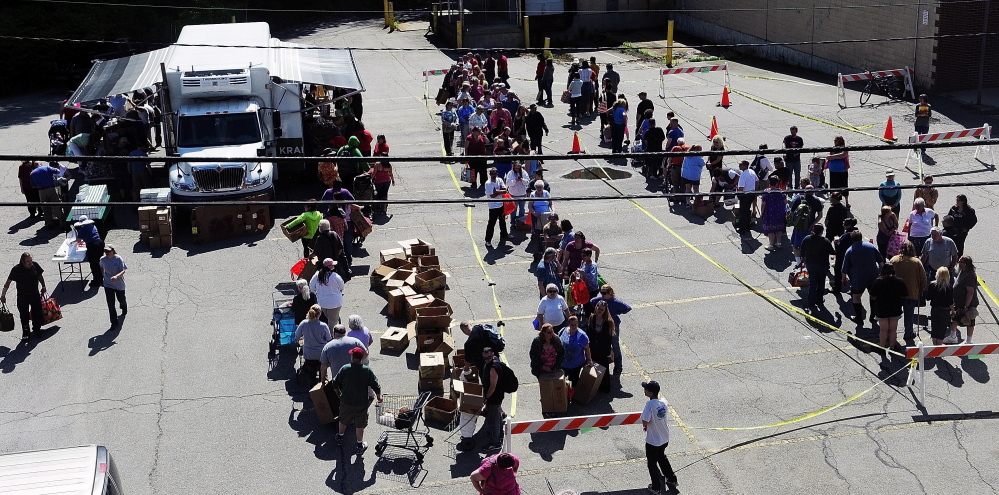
[408, 425]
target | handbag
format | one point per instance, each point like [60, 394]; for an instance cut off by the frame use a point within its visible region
[905, 228]
[50, 311]
[580, 293]
[508, 206]
[442, 96]
[6, 319]
[466, 174]
[602, 107]
[798, 278]
[566, 96]
[895, 243]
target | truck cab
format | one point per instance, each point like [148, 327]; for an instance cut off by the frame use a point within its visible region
[84, 470]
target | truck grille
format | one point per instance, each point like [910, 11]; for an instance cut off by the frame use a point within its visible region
[214, 179]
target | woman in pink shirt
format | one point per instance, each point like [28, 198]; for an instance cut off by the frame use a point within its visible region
[383, 176]
[497, 475]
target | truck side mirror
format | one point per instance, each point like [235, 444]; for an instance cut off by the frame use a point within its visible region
[276, 115]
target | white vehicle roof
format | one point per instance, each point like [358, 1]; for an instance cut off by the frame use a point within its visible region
[68, 471]
[218, 107]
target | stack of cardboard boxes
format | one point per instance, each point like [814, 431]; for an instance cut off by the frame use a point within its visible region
[214, 223]
[156, 226]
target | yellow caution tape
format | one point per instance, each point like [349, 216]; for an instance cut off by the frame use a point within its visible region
[988, 291]
[804, 116]
[489, 280]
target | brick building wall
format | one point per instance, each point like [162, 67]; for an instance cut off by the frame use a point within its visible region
[957, 59]
[813, 21]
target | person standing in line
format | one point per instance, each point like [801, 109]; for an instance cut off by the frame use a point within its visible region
[889, 192]
[838, 164]
[86, 231]
[939, 252]
[489, 67]
[353, 381]
[492, 384]
[655, 424]
[911, 271]
[27, 275]
[516, 182]
[965, 301]
[475, 146]
[313, 336]
[449, 124]
[887, 227]
[806, 213]
[965, 219]
[495, 189]
[774, 214]
[536, 127]
[746, 188]
[614, 77]
[618, 122]
[576, 346]
[383, 176]
[575, 98]
[617, 308]
[548, 272]
[887, 293]
[600, 330]
[793, 159]
[842, 243]
[539, 75]
[927, 192]
[835, 216]
[497, 475]
[923, 114]
[303, 301]
[356, 329]
[336, 352]
[29, 191]
[862, 264]
[503, 70]
[921, 221]
[552, 308]
[815, 253]
[644, 104]
[113, 270]
[547, 80]
[311, 219]
[44, 179]
[328, 286]
[940, 296]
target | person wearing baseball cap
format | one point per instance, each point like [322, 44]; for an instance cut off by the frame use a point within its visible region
[353, 381]
[112, 269]
[654, 422]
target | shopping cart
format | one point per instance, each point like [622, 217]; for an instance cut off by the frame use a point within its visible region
[407, 423]
[282, 323]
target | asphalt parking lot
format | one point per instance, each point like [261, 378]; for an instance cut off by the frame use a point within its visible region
[186, 400]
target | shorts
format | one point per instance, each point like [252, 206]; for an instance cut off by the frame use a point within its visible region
[889, 318]
[687, 181]
[857, 292]
[358, 415]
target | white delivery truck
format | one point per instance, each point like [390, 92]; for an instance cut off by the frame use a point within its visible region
[228, 91]
[85, 470]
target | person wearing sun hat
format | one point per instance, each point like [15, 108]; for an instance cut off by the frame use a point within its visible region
[112, 269]
[328, 287]
[353, 381]
[889, 192]
[654, 423]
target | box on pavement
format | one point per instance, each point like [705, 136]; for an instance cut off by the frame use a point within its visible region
[385, 269]
[429, 342]
[395, 339]
[397, 301]
[433, 317]
[166, 241]
[422, 247]
[458, 361]
[441, 410]
[399, 278]
[431, 385]
[459, 386]
[432, 365]
[387, 254]
[415, 302]
[554, 392]
[326, 402]
[472, 398]
[447, 344]
[147, 213]
[589, 383]
[430, 280]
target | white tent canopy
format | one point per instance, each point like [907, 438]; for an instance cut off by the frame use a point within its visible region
[221, 46]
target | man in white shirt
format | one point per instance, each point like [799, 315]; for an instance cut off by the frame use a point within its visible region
[747, 187]
[495, 189]
[479, 119]
[654, 418]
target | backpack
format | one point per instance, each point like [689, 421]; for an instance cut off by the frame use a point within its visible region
[801, 216]
[493, 338]
[508, 379]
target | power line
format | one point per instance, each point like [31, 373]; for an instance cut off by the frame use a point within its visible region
[449, 159]
[515, 49]
[578, 11]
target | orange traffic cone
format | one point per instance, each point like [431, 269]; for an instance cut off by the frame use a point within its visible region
[576, 148]
[714, 128]
[725, 103]
[889, 132]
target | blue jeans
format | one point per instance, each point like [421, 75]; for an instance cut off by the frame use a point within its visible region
[909, 317]
[521, 209]
[494, 423]
[348, 242]
[817, 275]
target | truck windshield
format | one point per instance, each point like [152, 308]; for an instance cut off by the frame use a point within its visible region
[202, 131]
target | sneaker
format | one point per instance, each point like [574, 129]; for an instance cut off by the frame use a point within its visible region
[652, 491]
[361, 447]
[968, 342]
[339, 439]
[673, 484]
[465, 445]
[951, 338]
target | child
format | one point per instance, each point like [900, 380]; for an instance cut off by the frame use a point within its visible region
[815, 174]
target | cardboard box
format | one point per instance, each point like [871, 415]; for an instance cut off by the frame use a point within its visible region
[218, 222]
[164, 228]
[458, 361]
[163, 215]
[433, 317]
[148, 227]
[429, 342]
[431, 385]
[166, 241]
[397, 301]
[472, 399]
[441, 410]
[430, 280]
[438, 294]
[447, 345]
[415, 302]
[155, 242]
[432, 365]
[147, 214]
[144, 238]
[554, 392]
[294, 233]
[411, 330]
[387, 254]
[589, 382]
[399, 278]
[459, 386]
[408, 244]
[395, 339]
[429, 261]
[326, 402]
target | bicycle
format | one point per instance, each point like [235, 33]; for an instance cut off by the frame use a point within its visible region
[891, 86]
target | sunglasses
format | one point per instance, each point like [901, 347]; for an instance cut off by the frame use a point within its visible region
[604, 292]
[552, 291]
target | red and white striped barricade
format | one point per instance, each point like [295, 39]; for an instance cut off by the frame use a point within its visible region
[980, 133]
[691, 70]
[426, 81]
[563, 424]
[905, 74]
[921, 352]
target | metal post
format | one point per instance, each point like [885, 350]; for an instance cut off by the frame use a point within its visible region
[461, 22]
[922, 369]
[391, 14]
[548, 42]
[669, 43]
[435, 14]
[458, 33]
[386, 12]
[981, 57]
[507, 435]
[527, 32]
